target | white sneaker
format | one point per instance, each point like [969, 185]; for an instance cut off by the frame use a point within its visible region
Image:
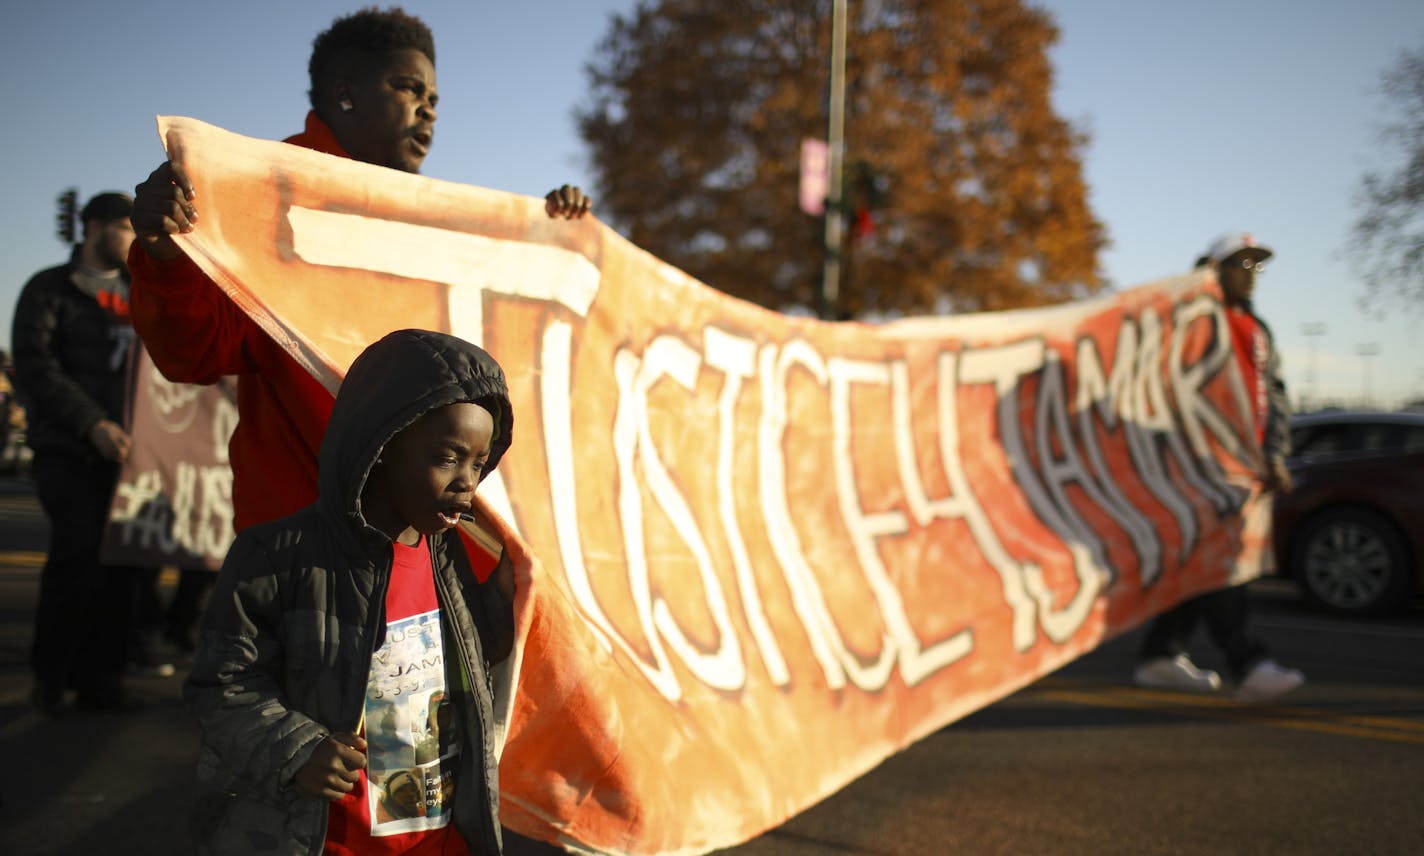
[1175, 673]
[1266, 680]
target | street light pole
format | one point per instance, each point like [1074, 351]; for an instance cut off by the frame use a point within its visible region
[1312, 330]
[831, 269]
[1366, 350]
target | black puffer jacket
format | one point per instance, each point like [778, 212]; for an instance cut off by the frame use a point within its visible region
[299, 607]
[70, 362]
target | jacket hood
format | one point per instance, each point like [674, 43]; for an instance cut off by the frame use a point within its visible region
[390, 385]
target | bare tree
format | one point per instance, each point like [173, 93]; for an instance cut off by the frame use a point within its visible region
[1388, 241]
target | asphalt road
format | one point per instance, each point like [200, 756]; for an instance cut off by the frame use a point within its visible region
[1080, 762]
[1083, 763]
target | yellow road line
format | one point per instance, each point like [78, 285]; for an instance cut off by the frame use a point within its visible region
[1210, 707]
[1368, 721]
[22, 558]
[167, 576]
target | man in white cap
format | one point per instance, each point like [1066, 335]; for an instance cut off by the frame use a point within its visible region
[1163, 662]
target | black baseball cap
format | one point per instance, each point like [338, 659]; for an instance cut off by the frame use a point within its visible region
[110, 205]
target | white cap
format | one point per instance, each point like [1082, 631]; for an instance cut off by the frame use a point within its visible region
[1232, 243]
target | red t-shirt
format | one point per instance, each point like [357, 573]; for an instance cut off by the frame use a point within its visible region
[402, 802]
[1252, 353]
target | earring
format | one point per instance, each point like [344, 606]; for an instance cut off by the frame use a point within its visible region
[346, 105]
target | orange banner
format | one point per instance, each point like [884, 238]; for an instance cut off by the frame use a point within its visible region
[758, 553]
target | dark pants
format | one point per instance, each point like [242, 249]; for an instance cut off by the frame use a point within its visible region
[177, 623]
[190, 601]
[1224, 613]
[146, 619]
[84, 611]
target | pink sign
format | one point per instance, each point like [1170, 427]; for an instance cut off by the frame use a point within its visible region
[815, 175]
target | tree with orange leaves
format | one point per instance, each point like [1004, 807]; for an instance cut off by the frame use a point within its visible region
[698, 108]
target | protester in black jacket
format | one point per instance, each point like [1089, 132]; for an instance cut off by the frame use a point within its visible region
[334, 630]
[71, 339]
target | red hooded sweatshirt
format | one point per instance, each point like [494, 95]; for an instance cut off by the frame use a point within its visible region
[196, 334]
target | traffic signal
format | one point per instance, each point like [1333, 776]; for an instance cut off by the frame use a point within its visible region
[866, 196]
[68, 213]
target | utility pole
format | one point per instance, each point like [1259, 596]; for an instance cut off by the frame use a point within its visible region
[831, 269]
[1312, 331]
[1366, 350]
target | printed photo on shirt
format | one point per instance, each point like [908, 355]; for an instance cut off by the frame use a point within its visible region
[412, 747]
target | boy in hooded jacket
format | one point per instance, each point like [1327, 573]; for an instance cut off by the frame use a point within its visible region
[342, 681]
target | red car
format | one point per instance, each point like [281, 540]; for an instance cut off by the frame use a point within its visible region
[1351, 533]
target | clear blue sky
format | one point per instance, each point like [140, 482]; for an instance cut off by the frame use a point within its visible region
[1205, 117]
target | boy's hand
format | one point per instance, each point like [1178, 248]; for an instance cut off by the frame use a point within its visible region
[163, 206]
[334, 768]
[567, 202]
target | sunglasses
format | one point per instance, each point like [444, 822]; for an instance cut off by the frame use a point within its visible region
[1247, 264]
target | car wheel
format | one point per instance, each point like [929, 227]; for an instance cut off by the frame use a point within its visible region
[1351, 560]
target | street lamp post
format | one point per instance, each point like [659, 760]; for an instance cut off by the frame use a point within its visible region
[831, 268]
[1312, 331]
[1366, 350]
